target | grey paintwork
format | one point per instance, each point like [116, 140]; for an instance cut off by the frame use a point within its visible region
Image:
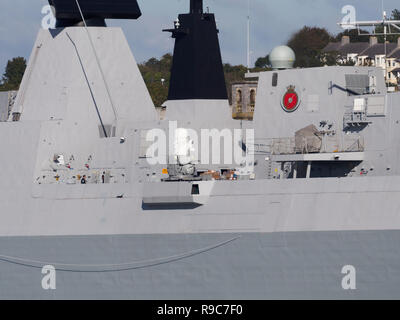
[3, 106]
[261, 238]
[6, 102]
[301, 265]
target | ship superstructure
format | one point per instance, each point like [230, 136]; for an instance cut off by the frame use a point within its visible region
[316, 188]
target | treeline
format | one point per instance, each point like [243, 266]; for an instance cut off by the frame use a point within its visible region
[156, 74]
[308, 44]
[13, 74]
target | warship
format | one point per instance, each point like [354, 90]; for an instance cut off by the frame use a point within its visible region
[309, 209]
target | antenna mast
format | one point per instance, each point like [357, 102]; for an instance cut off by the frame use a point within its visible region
[248, 35]
[389, 24]
[196, 6]
[197, 71]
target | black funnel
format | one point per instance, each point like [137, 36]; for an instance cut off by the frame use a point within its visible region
[197, 71]
[196, 6]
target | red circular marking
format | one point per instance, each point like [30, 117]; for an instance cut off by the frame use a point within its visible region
[290, 100]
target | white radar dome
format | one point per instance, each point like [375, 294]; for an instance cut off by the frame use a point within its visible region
[282, 57]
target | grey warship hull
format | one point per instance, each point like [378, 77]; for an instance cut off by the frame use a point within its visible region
[81, 193]
[261, 239]
[296, 265]
[266, 239]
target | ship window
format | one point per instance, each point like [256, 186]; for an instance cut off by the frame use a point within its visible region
[195, 189]
[275, 79]
[16, 116]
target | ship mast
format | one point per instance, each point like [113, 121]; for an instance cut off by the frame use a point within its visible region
[248, 35]
[196, 6]
[197, 71]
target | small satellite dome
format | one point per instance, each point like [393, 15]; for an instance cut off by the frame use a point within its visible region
[282, 57]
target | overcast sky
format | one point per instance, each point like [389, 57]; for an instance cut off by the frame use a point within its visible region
[272, 23]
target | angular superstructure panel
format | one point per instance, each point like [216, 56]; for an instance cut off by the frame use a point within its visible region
[62, 74]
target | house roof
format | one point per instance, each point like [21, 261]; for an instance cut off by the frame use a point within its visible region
[332, 46]
[379, 49]
[364, 48]
[356, 47]
[395, 54]
[348, 48]
[395, 70]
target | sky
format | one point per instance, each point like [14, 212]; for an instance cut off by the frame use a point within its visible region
[272, 24]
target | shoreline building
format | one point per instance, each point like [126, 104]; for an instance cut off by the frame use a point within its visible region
[244, 99]
[372, 53]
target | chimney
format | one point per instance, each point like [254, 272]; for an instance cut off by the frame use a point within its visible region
[373, 41]
[345, 40]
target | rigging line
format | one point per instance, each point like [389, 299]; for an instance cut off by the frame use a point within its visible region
[90, 88]
[97, 61]
[113, 267]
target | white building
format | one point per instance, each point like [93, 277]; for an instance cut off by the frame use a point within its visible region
[372, 53]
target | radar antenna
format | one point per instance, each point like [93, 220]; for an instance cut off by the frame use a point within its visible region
[389, 26]
[95, 11]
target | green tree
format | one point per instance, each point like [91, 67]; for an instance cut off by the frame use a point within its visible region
[233, 74]
[156, 75]
[13, 74]
[157, 72]
[308, 43]
[262, 62]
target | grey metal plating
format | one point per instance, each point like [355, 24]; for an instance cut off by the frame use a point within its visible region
[325, 192]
